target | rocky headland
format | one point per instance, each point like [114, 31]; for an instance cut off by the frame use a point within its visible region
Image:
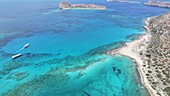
[66, 5]
[158, 3]
[151, 51]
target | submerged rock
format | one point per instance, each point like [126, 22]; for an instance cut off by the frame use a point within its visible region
[18, 75]
[117, 71]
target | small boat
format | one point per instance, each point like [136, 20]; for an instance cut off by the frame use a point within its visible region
[16, 56]
[26, 45]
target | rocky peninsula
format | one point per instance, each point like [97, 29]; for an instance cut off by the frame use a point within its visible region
[158, 3]
[151, 51]
[66, 5]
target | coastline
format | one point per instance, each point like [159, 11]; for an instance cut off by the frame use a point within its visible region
[73, 51]
[132, 50]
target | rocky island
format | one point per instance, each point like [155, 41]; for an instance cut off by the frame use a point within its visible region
[158, 3]
[152, 55]
[66, 5]
[125, 1]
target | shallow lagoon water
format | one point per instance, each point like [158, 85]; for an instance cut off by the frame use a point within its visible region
[67, 49]
[92, 75]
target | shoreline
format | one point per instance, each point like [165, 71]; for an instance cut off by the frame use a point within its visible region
[132, 50]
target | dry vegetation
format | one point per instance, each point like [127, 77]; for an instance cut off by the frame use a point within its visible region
[157, 54]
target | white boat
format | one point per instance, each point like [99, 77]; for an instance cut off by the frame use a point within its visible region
[16, 56]
[26, 45]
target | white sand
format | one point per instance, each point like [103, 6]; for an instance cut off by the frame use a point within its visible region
[132, 50]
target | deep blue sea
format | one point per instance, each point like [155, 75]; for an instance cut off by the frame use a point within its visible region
[67, 52]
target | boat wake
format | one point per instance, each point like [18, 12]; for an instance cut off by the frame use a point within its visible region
[24, 47]
[19, 55]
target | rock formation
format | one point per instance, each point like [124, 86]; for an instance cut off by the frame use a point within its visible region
[158, 3]
[66, 5]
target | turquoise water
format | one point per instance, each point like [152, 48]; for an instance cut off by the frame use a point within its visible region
[92, 75]
[67, 52]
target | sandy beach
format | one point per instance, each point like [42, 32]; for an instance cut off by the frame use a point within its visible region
[132, 50]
